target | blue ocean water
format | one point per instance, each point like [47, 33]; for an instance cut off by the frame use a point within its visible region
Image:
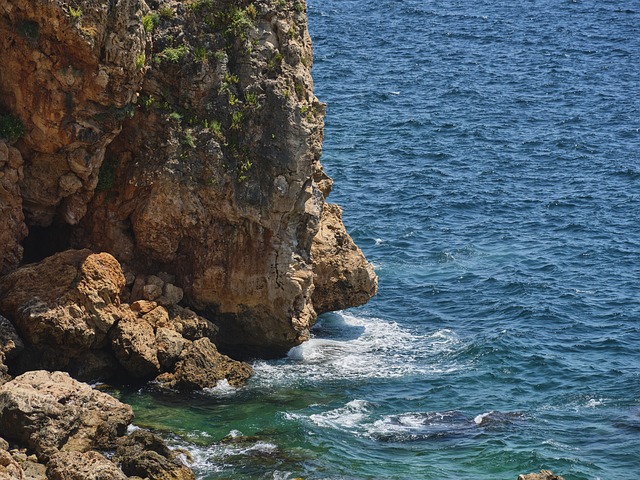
[487, 155]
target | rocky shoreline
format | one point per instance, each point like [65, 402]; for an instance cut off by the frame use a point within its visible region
[162, 201]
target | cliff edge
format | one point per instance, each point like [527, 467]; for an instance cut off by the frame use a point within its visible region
[184, 139]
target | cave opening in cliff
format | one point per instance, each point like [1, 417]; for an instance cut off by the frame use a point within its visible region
[43, 242]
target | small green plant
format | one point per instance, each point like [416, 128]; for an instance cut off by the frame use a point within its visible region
[250, 99]
[299, 6]
[28, 30]
[300, 90]
[200, 54]
[175, 117]
[220, 55]
[147, 101]
[174, 54]
[188, 140]
[150, 21]
[11, 128]
[140, 61]
[251, 11]
[166, 12]
[75, 13]
[230, 78]
[233, 100]
[275, 61]
[236, 120]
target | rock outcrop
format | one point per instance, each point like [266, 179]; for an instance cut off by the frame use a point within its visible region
[63, 306]
[342, 276]
[182, 138]
[13, 228]
[51, 412]
[69, 73]
[68, 310]
[65, 423]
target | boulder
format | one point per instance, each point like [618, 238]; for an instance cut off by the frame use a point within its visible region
[145, 455]
[9, 468]
[64, 305]
[133, 342]
[201, 366]
[51, 412]
[82, 466]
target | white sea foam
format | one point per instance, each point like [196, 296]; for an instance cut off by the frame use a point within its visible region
[348, 417]
[359, 347]
[222, 389]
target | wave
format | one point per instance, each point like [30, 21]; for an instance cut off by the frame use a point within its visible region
[348, 347]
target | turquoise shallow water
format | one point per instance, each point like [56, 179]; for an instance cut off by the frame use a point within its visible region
[487, 156]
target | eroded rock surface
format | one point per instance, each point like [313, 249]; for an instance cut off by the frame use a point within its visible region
[82, 466]
[70, 73]
[13, 229]
[145, 455]
[342, 276]
[51, 412]
[63, 306]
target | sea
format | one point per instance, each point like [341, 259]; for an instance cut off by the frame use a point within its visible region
[487, 157]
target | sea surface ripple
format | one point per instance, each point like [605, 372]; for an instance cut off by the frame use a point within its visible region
[487, 157]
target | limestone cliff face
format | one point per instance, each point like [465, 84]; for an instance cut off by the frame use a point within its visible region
[181, 137]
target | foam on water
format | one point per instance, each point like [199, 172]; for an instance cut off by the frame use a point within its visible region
[358, 347]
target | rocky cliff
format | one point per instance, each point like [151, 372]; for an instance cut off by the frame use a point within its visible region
[184, 139]
[161, 199]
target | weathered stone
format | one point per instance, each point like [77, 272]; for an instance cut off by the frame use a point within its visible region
[134, 345]
[543, 475]
[145, 455]
[9, 468]
[190, 325]
[342, 276]
[202, 366]
[51, 412]
[232, 210]
[10, 343]
[170, 345]
[143, 306]
[64, 305]
[171, 294]
[82, 466]
[93, 365]
[13, 228]
[71, 81]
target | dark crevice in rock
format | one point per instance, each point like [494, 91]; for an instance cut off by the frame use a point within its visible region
[43, 242]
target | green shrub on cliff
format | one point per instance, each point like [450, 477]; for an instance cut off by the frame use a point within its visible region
[11, 128]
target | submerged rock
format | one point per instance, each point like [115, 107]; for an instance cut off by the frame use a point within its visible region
[145, 455]
[543, 475]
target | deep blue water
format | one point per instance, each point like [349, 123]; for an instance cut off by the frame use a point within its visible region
[487, 155]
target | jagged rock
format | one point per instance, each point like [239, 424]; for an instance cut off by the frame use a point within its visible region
[217, 175]
[170, 345]
[190, 325]
[10, 343]
[543, 475]
[9, 468]
[64, 305]
[82, 466]
[342, 276]
[13, 228]
[51, 412]
[134, 346]
[202, 366]
[145, 455]
[70, 73]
